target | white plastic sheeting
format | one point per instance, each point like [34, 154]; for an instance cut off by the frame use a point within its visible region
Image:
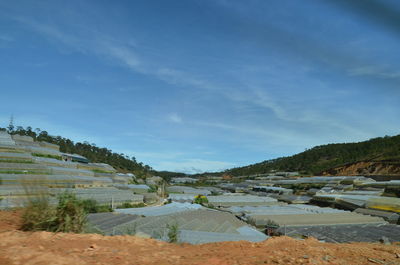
[171, 208]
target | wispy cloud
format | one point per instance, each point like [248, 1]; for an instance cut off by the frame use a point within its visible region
[174, 117]
[253, 103]
[373, 70]
[193, 166]
[6, 38]
[53, 33]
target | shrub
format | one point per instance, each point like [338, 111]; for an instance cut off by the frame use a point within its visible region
[200, 199]
[131, 205]
[91, 206]
[38, 215]
[68, 216]
[172, 233]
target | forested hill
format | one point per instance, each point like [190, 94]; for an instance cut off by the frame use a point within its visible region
[324, 157]
[95, 154]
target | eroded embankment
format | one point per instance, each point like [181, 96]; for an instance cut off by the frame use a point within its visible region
[17, 247]
[382, 168]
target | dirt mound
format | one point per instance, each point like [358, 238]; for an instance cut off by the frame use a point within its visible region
[17, 247]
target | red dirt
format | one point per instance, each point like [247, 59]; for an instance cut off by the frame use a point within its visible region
[366, 169]
[17, 247]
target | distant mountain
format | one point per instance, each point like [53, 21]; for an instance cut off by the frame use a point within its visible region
[335, 159]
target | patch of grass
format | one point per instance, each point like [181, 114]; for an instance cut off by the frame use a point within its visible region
[47, 156]
[100, 171]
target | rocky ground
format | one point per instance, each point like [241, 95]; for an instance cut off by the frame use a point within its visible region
[17, 247]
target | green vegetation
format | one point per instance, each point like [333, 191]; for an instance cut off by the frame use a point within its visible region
[67, 216]
[95, 154]
[200, 199]
[325, 157]
[91, 206]
[153, 188]
[101, 171]
[173, 232]
[131, 205]
[47, 156]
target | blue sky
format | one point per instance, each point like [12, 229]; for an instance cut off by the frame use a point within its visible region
[202, 85]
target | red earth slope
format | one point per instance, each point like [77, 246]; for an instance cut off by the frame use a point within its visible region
[17, 247]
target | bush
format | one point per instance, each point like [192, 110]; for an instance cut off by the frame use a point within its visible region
[38, 215]
[200, 199]
[131, 205]
[68, 216]
[91, 206]
[173, 233]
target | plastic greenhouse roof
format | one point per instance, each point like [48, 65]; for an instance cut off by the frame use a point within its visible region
[240, 198]
[171, 208]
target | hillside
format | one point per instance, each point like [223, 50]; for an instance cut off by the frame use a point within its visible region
[383, 151]
[95, 154]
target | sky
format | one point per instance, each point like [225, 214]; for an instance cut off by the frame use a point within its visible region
[202, 85]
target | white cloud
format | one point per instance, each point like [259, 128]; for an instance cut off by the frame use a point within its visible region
[123, 54]
[373, 70]
[193, 165]
[174, 117]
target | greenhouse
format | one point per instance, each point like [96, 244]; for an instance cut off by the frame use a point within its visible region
[194, 226]
[166, 209]
[181, 197]
[345, 233]
[188, 190]
[240, 200]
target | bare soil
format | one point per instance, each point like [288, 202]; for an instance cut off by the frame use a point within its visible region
[366, 169]
[17, 247]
